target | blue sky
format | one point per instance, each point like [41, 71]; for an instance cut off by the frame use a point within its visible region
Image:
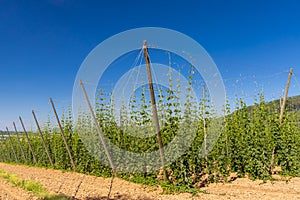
[43, 43]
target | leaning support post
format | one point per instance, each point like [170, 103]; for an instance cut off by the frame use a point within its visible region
[18, 139]
[99, 130]
[204, 122]
[154, 110]
[41, 134]
[282, 109]
[12, 146]
[29, 143]
[285, 96]
[63, 135]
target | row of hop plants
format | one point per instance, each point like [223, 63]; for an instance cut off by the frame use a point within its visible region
[245, 144]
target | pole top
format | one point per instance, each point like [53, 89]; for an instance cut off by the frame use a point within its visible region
[145, 44]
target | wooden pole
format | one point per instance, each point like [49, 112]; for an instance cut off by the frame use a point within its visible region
[285, 96]
[204, 121]
[29, 143]
[282, 108]
[41, 134]
[99, 130]
[12, 146]
[63, 135]
[154, 109]
[18, 139]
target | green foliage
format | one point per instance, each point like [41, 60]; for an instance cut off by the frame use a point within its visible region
[245, 145]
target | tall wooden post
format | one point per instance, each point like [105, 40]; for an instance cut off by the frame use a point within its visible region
[99, 130]
[282, 108]
[154, 109]
[63, 135]
[41, 134]
[18, 139]
[285, 95]
[29, 143]
[12, 146]
[204, 122]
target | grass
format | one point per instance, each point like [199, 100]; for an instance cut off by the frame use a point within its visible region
[31, 186]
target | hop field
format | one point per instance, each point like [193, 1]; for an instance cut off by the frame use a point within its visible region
[251, 143]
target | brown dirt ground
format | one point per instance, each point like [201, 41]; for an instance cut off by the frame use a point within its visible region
[94, 188]
[9, 192]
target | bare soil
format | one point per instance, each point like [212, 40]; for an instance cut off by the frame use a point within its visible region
[9, 192]
[86, 187]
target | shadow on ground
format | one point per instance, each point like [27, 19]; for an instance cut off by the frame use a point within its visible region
[118, 197]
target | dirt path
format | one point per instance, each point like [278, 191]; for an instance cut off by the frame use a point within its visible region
[9, 192]
[92, 188]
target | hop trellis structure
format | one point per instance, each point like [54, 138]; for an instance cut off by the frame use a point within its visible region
[245, 145]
